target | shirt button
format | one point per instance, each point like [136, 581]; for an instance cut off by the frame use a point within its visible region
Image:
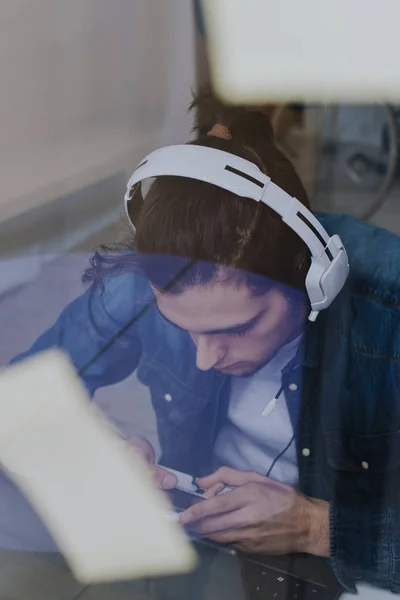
[306, 452]
[293, 387]
[168, 398]
[365, 465]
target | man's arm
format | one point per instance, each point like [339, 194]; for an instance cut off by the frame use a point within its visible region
[361, 537]
[87, 325]
[317, 530]
[260, 515]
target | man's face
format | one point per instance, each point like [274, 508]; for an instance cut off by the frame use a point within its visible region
[234, 330]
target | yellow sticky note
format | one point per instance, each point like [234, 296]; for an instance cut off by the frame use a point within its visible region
[313, 50]
[93, 493]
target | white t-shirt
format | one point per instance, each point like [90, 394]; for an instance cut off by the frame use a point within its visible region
[251, 442]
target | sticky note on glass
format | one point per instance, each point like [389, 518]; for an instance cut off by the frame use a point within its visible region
[311, 50]
[94, 494]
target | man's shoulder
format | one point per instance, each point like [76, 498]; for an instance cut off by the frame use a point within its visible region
[357, 340]
[374, 257]
[367, 312]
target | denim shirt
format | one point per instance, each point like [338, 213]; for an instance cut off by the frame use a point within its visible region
[347, 391]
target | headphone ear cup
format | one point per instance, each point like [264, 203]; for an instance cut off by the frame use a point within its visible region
[325, 281]
[313, 283]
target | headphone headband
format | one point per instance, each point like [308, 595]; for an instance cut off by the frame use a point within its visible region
[329, 267]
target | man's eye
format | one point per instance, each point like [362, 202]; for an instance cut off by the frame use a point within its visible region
[238, 333]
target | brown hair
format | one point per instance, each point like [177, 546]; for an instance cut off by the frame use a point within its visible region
[191, 219]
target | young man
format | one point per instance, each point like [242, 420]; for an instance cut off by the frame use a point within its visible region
[268, 372]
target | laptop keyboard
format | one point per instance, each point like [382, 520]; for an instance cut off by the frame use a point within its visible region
[263, 582]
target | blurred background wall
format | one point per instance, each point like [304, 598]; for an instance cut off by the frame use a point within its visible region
[87, 88]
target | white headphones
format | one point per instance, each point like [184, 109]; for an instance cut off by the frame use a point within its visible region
[329, 263]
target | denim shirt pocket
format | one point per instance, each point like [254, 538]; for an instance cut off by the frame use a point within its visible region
[364, 466]
[363, 454]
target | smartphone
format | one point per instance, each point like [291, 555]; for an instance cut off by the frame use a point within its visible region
[182, 500]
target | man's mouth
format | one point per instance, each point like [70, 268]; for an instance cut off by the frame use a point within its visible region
[233, 367]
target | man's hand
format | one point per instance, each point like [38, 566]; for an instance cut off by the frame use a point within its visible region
[163, 478]
[260, 515]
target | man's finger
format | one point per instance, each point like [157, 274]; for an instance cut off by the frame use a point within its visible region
[220, 524]
[144, 447]
[218, 505]
[232, 477]
[214, 490]
[234, 536]
[164, 479]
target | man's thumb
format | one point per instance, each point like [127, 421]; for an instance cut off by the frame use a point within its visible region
[165, 479]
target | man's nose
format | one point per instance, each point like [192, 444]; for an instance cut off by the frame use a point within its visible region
[209, 352]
